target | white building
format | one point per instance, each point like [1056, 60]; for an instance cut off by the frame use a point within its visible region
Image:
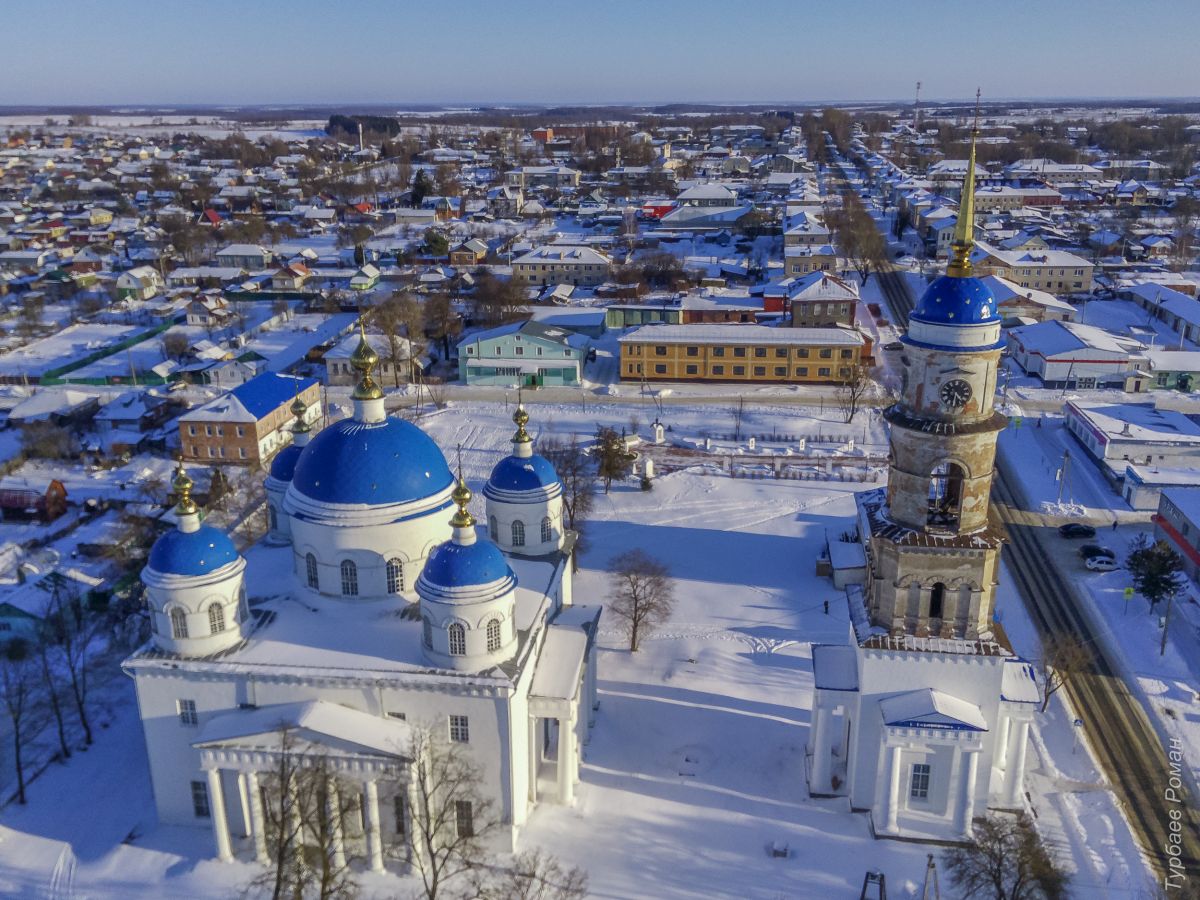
[1077, 356]
[385, 613]
[1118, 433]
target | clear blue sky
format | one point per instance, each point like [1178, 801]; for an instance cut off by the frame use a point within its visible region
[445, 51]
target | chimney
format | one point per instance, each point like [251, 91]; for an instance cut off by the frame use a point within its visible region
[360, 141]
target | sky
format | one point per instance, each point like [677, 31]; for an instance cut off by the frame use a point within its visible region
[106, 52]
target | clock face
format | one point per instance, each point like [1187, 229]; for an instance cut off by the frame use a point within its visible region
[955, 393]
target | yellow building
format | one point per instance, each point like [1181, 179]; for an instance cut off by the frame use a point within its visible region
[1056, 271]
[802, 260]
[754, 354]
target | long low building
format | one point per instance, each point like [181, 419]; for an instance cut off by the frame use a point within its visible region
[1078, 357]
[742, 353]
[1116, 434]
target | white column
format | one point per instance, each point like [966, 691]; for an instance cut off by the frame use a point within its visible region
[258, 825]
[566, 761]
[374, 841]
[966, 808]
[244, 802]
[820, 750]
[535, 755]
[1002, 743]
[893, 807]
[1016, 767]
[333, 809]
[216, 809]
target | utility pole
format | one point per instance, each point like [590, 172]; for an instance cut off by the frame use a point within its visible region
[931, 891]
[1162, 648]
[1062, 474]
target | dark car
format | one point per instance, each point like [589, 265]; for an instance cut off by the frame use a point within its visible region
[1077, 530]
[1087, 551]
[894, 345]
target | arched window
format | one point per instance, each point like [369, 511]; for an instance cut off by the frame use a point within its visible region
[273, 518]
[937, 597]
[349, 578]
[458, 639]
[178, 623]
[216, 619]
[395, 576]
[310, 569]
[492, 527]
[945, 495]
[427, 631]
[493, 635]
[518, 533]
[547, 530]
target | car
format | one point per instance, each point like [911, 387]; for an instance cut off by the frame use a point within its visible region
[1101, 564]
[1088, 551]
[1076, 530]
[894, 345]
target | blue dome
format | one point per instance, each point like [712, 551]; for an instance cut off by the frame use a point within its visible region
[516, 473]
[192, 553]
[284, 464]
[392, 461]
[466, 565]
[957, 301]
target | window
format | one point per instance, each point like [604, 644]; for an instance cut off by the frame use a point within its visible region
[178, 623]
[739, 370]
[460, 731]
[242, 452]
[192, 430]
[399, 813]
[718, 370]
[739, 351]
[493, 635]
[458, 639]
[781, 352]
[844, 372]
[216, 619]
[349, 578]
[395, 576]
[426, 631]
[547, 530]
[937, 599]
[823, 372]
[920, 782]
[187, 712]
[802, 353]
[846, 354]
[692, 370]
[660, 350]
[781, 371]
[693, 351]
[760, 352]
[826, 353]
[660, 369]
[310, 570]
[518, 533]
[760, 370]
[462, 818]
[241, 432]
[718, 351]
[801, 371]
[200, 800]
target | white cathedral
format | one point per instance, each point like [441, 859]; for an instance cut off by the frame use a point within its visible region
[922, 719]
[393, 611]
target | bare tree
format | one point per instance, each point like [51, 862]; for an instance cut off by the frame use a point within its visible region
[45, 651]
[738, 412]
[857, 387]
[576, 473]
[449, 814]
[644, 594]
[45, 440]
[175, 344]
[400, 316]
[18, 681]
[1006, 861]
[1062, 658]
[73, 634]
[533, 875]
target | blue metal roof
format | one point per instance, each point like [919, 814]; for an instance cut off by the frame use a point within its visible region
[957, 301]
[515, 473]
[379, 463]
[466, 565]
[283, 466]
[192, 553]
[265, 393]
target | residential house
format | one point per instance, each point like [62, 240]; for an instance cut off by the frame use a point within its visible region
[527, 353]
[211, 311]
[1077, 357]
[140, 283]
[561, 264]
[123, 423]
[390, 371]
[251, 257]
[291, 277]
[822, 300]
[1047, 270]
[468, 254]
[250, 423]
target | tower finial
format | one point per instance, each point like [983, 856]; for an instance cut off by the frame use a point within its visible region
[182, 485]
[461, 496]
[299, 410]
[964, 227]
[364, 359]
[521, 419]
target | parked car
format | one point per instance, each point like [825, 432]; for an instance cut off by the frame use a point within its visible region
[1101, 563]
[1077, 530]
[1087, 551]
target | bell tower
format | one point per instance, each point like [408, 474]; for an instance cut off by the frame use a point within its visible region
[933, 554]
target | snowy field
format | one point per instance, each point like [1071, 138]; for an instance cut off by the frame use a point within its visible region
[695, 765]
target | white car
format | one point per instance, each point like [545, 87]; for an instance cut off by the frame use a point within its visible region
[1101, 564]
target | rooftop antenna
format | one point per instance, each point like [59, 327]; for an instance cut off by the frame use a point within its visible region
[917, 109]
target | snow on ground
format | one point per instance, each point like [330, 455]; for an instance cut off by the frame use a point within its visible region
[695, 765]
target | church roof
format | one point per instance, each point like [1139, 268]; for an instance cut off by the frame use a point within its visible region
[930, 708]
[515, 473]
[835, 667]
[308, 721]
[191, 553]
[455, 565]
[957, 301]
[283, 466]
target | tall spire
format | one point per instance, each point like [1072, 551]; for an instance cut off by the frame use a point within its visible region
[964, 227]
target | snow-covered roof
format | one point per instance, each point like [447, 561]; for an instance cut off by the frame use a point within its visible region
[835, 667]
[931, 708]
[1057, 339]
[742, 334]
[560, 663]
[1018, 682]
[262, 728]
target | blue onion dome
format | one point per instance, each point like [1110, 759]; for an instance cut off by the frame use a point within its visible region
[192, 552]
[283, 466]
[454, 565]
[378, 463]
[951, 300]
[515, 473]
